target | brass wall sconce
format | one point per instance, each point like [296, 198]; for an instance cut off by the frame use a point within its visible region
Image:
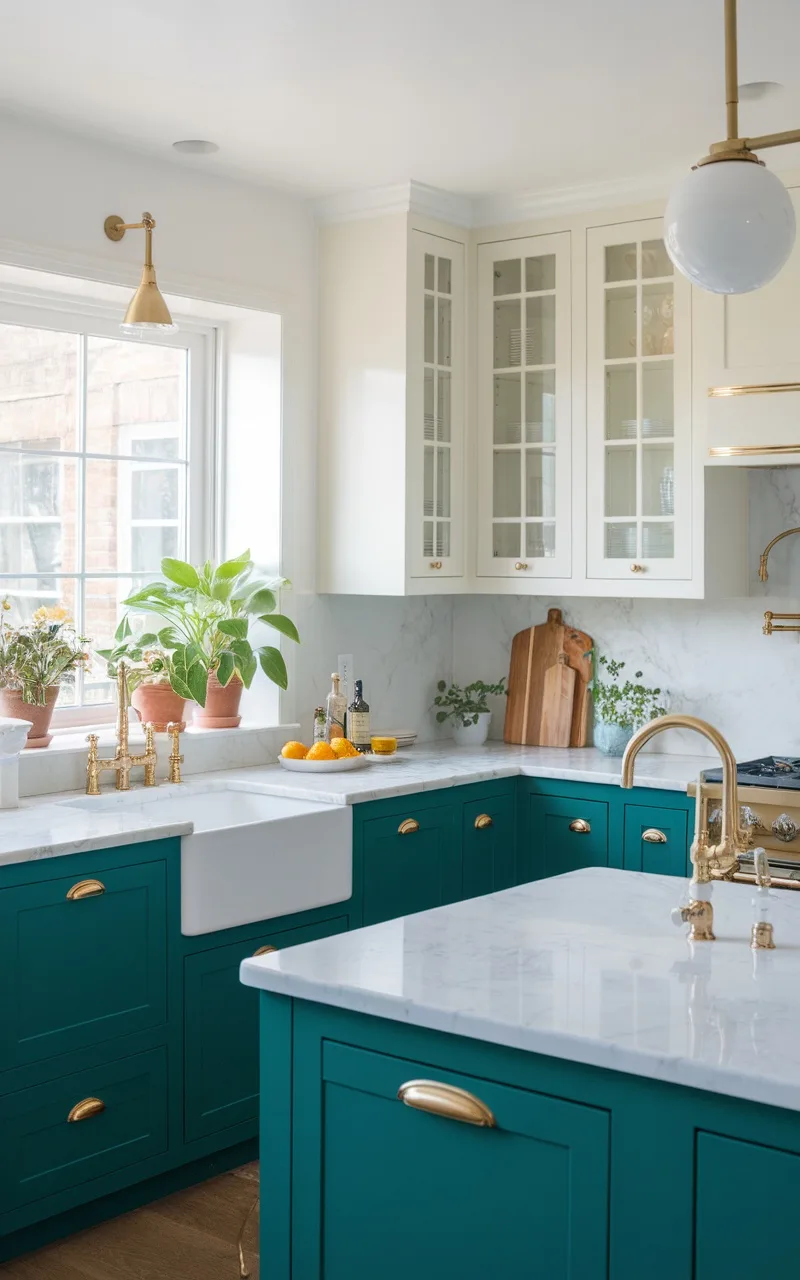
[147, 309]
[769, 623]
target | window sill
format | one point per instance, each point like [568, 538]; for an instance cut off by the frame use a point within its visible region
[62, 765]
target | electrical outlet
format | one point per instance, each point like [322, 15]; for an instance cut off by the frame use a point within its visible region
[346, 676]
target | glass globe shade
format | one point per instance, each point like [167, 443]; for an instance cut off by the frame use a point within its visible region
[729, 226]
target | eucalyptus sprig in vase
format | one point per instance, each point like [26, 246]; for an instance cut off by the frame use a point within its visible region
[620, 708]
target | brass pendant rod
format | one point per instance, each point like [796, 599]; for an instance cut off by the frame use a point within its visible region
[772, 140]
[731, 70]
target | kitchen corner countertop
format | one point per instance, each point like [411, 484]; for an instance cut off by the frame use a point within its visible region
[49, 830]
[585, 967]
[430, 767]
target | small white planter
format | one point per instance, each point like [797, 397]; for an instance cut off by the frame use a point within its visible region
[472, 735]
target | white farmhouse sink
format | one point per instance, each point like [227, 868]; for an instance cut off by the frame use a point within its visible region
[251, 856]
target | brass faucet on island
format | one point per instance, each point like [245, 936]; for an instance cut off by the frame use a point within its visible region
[122, 761]
[710, 862]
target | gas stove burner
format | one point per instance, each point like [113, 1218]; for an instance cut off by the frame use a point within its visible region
[770, 771]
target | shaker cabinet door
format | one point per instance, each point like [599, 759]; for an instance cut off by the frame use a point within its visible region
[411, 862]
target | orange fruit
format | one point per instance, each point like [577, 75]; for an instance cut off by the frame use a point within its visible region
[321, 751]
[342, 748]
[295, 751]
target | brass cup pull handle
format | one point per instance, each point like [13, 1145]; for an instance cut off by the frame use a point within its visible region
[580, 826]
[85, 1110]
[407, 827]
[447, 1101]
[85, 889]
[653, 836]
[264, 951]
[483, 821]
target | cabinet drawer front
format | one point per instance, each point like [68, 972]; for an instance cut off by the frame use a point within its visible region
[527, 1197]
[488, 845]
[740, 1246]
[565, 835]
[79, 970]
[411, 863]
[221, 1031]
[656, 840]
[44, 1152]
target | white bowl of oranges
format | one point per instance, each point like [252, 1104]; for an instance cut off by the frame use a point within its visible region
[323, 757]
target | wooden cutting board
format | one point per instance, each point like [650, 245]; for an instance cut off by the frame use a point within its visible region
[533, 652]
[558, 697]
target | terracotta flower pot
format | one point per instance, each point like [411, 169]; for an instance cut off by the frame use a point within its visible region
[11, 704]
[158, 704]
[222, 705]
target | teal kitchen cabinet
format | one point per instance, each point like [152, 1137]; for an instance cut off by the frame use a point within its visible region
[656, 839]
[78, 1129]
[83, 956]
[756, 1241]
[564, 834]
[411, 859]
[386, 1190]
[488, 841]
[221, 1031]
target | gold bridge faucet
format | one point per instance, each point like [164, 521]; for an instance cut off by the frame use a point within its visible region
[123, 761]
[709, 861]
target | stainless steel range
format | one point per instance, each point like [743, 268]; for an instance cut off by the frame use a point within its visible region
[769, 807]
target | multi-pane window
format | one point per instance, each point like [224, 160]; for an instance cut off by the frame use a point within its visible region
[98, 437]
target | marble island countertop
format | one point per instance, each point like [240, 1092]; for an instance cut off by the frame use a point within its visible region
[586, 967]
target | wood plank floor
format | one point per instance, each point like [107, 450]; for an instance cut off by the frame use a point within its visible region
[190, 1235]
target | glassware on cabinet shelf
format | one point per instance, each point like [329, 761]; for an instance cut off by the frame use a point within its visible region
[658, 480]
[620, 541]
[620, 322]
[620, 407]
[540, 406]
[540, 540]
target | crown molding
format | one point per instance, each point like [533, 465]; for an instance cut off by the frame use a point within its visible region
[401, 197]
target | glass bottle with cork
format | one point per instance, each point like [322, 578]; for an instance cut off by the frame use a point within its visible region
[335, 710]
[358, 730]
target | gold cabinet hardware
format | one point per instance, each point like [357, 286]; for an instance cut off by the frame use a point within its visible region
[520, 565]
[407, 827]
[85, 889]
[751, 450]
[753, 389]
[436, 564]
[580, 826]
[637, 568]
[85, 1109]
[264, 951]
[483, 821]
[653, 836]
[447, 1101]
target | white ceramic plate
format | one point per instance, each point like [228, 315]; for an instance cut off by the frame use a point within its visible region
[323, 766]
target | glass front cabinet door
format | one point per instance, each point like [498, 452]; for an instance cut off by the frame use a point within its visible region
[638, 407]
[436, 374]
[524, 408]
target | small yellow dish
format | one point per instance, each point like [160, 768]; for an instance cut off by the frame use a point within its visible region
[384, 746]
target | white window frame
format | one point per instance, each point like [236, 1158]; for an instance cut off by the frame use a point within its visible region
[94, 319]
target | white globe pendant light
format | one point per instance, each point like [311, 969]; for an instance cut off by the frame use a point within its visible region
[730, 225]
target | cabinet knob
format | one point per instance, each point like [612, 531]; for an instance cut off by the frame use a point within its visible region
[407, 827]
[653, 836]
[446, 1100]
[436, 564]
[264, 951]
[637, 568]
[520, 565]
[85, 889]
[580, 826]
[483, 821]
[85, 1110]
[784, 828]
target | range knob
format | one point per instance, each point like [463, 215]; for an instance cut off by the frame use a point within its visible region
[784, 828]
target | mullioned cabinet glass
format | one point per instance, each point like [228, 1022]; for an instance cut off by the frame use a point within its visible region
[78, 971]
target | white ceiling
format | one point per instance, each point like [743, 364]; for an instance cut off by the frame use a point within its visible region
[474, 96]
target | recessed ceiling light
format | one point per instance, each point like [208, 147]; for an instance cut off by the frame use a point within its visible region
[195, 147]
[755, 90]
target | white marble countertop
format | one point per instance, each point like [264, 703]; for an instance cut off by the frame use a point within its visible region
[587, 967]
[49, 830]
[430, 767]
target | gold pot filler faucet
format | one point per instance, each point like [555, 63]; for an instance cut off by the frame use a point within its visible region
[709, 861]
[769, 627]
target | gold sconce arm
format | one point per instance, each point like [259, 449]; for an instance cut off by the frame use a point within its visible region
[147, 309]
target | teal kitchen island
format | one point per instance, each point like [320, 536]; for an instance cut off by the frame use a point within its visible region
[549, 1081]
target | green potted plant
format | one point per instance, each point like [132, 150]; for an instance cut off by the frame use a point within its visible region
[36, 658]
[208, 612]
[149, 670]
[467, 710]
[620, 708]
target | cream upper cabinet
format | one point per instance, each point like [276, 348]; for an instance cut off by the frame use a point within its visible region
[523, 417]
[392, 408]
[639, 408]
[748, 369]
